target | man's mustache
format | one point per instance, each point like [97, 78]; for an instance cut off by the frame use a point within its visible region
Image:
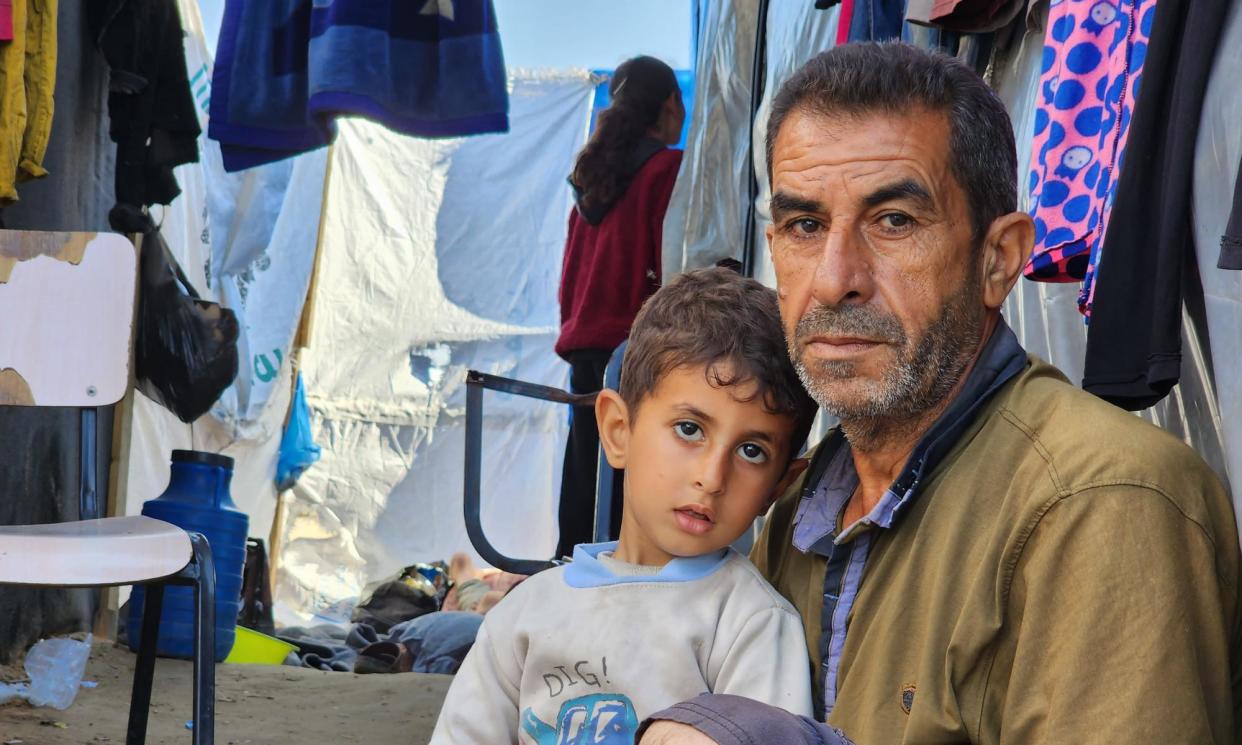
[860, 321]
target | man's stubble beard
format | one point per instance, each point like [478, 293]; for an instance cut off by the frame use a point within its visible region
[916, 383]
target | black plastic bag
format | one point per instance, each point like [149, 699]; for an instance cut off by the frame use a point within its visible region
[186, 350]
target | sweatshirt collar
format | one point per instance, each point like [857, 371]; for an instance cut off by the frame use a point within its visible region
[587, 570]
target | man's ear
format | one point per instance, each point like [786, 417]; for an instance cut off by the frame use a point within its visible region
[1006, 249]
[795, 469]
[612, 417]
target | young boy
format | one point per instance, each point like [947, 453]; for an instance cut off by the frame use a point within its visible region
[707, 423]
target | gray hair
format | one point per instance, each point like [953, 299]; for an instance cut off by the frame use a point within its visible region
[894, 77]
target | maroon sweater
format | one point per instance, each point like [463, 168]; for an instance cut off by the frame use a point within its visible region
[609, 269]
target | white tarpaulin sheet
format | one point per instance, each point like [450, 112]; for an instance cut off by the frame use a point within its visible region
[438, 257]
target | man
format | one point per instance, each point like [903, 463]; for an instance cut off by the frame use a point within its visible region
[980, 552]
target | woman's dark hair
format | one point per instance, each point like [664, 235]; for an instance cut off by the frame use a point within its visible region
[604, 168]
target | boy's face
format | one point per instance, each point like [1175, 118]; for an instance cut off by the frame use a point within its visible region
[701, 462]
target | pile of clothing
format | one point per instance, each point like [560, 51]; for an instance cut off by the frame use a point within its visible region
[423, 619]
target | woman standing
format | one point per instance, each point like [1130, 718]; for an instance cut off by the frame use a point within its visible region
[622, 181]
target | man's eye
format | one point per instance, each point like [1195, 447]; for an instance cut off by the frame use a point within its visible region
[752, 453]
[896, 221]
[688, 431]
[803, 226]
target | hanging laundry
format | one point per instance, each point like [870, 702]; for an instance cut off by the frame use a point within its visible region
[1093, 61]
[27, 80]
[150, 105]
[967, 16]
[877, 20]
[1231, 241]
[1134, 341]
[6, 20]
[286, 68]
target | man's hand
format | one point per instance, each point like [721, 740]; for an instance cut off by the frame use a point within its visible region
[674, 733]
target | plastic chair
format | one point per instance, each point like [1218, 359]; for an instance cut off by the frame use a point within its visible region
[75, 295]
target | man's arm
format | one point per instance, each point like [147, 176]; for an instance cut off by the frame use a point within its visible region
[1118, 625]
[721, 719]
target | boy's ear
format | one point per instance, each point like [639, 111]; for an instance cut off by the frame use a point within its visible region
[612, 417]
[795, 469]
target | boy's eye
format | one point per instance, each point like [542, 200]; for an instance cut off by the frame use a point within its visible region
[752, 453]
[688, 431]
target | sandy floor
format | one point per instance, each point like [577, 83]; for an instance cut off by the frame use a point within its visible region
[255, 705]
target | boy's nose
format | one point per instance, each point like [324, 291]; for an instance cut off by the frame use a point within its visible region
[712, 472]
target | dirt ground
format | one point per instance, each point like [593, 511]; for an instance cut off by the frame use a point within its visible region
[255, 705]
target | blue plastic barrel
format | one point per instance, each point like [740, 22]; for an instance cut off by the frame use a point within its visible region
[197, 499]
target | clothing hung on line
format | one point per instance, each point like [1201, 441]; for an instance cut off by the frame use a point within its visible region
[1231, 241]
[1093, 62]
[27, 81]
[967, 16]
[286, 68]
[587, 647]
[1133, 353]
[152, 118]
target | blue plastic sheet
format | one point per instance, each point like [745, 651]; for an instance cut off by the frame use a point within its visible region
[297, 447]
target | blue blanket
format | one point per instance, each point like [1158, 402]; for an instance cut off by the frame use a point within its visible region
[286, 68]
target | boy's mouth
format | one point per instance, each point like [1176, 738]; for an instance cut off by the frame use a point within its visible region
[694, 519]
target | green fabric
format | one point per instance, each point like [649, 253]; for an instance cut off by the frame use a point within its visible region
[1069, 573]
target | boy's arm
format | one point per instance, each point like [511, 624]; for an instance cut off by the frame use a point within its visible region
[482, 702]
[768, 662]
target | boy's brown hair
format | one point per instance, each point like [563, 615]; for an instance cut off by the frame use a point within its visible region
[712, 316]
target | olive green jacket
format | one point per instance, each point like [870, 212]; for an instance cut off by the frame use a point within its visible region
[1068, 574]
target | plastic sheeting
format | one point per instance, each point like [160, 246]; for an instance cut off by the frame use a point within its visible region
[1217, 155]
[703, 225]
[438, 257]
[706, 212]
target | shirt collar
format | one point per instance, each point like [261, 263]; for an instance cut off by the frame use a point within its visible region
[832, 479]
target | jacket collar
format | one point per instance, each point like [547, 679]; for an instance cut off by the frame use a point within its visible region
[1002, 358]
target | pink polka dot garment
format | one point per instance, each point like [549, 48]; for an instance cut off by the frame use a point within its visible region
[1092, 67]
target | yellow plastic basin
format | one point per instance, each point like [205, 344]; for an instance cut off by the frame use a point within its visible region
[253, 648]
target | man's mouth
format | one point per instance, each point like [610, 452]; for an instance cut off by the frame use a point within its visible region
[834, 347]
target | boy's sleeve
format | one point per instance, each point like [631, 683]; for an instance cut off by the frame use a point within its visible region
[767, 662]
[482, 702]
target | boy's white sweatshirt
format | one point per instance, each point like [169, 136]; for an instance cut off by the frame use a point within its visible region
[584, 652]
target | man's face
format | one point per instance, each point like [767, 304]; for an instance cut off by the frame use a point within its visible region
[875, 261]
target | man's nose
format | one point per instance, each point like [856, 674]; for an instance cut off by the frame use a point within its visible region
[843, 274]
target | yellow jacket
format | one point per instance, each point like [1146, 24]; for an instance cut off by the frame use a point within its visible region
[27, 81]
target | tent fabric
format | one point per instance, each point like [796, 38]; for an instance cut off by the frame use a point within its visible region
[438, 256]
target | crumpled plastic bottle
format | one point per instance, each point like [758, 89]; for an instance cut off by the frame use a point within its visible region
[55, 668]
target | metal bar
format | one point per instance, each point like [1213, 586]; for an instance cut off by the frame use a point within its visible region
[604, 479]
[529, 390]
[204, 732]
[758, 76]
[88, 474]
[144, 668]
[472, 497]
